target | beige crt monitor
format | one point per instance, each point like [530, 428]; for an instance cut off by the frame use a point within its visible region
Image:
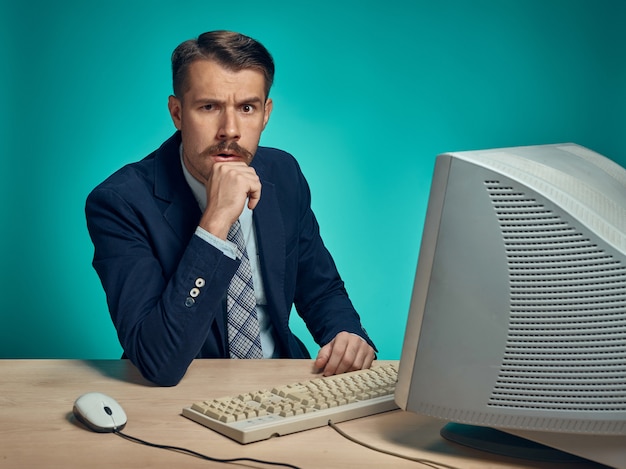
[518, 314]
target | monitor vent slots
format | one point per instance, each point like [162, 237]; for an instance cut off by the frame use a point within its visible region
[564, 290]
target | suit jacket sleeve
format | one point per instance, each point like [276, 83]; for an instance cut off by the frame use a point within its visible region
[148, 271]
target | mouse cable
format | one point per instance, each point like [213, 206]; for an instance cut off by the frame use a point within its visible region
[425, 462]
[200, 455]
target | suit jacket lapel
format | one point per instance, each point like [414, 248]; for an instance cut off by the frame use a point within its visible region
[270, 233]
[179, 207]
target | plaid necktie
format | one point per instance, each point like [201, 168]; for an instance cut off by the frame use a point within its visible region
[243, 325]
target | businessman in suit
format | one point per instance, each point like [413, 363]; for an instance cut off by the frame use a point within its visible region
[160, 229]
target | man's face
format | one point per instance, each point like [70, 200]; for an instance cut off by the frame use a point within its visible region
[220, 116]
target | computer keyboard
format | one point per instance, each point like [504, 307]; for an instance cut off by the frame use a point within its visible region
[261, 414]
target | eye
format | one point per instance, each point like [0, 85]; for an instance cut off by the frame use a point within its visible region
[208, 107]
[247, 108]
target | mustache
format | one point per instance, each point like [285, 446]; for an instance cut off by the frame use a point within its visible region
[233, 147]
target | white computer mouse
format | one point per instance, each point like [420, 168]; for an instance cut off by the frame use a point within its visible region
[99, 412]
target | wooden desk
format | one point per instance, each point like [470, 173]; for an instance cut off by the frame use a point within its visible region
[39, 430]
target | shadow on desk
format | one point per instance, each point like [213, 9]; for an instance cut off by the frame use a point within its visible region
[120, 370]
[409, 431]
[418, 436]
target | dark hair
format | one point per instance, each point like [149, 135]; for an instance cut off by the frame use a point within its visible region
[231, 50]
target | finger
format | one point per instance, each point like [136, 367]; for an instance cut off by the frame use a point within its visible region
[323, 355]
[365, 357]
[248, 180]
[254, 195]
[337, 358]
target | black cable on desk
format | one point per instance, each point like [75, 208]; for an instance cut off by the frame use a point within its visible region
[200, 455]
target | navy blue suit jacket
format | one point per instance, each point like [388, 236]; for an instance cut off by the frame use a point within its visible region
[142, 221]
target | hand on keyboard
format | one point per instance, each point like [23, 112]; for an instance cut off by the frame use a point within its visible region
[346, 352]
[258, 415]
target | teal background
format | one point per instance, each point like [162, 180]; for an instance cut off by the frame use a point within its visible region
[366, 95]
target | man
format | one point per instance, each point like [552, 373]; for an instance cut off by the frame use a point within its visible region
[160, 228]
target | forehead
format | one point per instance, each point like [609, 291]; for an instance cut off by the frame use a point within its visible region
[211, 78]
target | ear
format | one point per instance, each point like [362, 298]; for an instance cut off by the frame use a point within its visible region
[269, 105]
[175, 107]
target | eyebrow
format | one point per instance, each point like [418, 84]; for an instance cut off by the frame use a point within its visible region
[252, 99]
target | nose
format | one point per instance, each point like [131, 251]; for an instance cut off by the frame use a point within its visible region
[229, 126]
